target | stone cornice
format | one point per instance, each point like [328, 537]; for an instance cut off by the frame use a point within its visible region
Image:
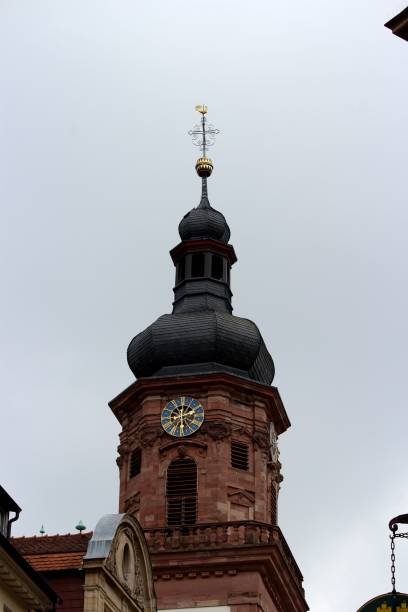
[266, 560]
[20, 584]
[144, 387]
[187, 246]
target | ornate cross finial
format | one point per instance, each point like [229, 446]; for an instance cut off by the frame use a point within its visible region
[203, 133]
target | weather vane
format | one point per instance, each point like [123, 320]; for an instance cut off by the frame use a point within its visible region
[203, 135]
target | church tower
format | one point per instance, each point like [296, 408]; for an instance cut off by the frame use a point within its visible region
[198, 456]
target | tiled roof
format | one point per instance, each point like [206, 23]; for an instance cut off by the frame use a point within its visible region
[53, 553]
[58, 561]
[36, 545]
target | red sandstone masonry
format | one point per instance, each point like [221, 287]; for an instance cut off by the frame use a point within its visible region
[256, 579]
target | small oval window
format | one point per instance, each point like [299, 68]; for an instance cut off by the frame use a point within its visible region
[126, 562]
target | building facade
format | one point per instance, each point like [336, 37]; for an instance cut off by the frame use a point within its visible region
[198, 459]
[107, 570]
[21, 587]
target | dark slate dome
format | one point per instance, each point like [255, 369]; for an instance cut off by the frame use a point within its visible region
[201, 335]
[201, 341]
[204, 222]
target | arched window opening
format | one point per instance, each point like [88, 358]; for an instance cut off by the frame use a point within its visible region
[197, 265]
[217, 266]
[182, 492]
[181, 270]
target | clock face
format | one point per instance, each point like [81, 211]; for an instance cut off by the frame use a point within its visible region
[182, 416]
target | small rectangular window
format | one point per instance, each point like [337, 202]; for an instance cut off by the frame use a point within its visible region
[217, 266]
[239, 455]
[274, 505]
[197, 265]
[135, 463]
[181, 270]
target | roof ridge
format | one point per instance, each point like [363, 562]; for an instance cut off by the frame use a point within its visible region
[55, 535]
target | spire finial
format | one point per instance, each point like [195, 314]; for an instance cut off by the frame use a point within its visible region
[80, 527]
[203, 137]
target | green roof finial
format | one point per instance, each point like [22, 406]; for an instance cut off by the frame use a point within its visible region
[80, 527]
[42, 530]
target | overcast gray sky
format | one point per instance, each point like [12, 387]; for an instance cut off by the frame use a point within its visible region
[97, 169]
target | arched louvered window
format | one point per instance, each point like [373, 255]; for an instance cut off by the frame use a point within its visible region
[182, 492]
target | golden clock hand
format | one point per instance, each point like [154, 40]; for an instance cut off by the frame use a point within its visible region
[182, 421]
[173, 428]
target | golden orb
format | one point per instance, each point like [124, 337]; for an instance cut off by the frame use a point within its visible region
[204, 167]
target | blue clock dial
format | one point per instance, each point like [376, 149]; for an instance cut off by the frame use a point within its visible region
[182, 416]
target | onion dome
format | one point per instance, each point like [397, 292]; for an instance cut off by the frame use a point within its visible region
[202, 335]
[204, 222]
[198, 342]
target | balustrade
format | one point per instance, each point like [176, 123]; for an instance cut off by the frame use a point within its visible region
[220, 535]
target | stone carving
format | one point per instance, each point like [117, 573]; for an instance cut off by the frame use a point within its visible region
[275, 468]
[261, 439]
[241, 497]
[136, 588]
[182, 448]
[118, 549]
[149, 435]
[217, 430]
[242, 431]
[132, 504]
[111, 560]
[123, 450]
